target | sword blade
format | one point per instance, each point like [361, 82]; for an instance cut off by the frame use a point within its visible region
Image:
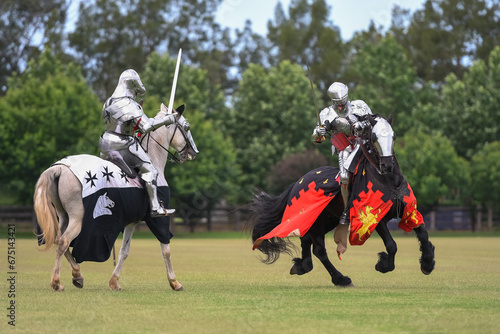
[174, 83]
[314, 95]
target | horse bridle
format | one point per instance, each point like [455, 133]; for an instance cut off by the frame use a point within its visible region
[369, 139]
[173, 156]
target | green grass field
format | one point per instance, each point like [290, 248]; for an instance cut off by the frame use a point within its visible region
[228, 290]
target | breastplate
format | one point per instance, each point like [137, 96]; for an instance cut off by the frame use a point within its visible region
[122, 116]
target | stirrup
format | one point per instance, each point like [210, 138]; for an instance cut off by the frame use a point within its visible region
[344, 218]
[161, 212]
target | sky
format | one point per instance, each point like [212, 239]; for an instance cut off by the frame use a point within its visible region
[349, 15]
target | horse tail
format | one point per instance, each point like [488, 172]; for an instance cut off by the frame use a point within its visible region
[265, 214]
[45, 189]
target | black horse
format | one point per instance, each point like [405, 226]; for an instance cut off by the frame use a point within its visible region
[377, 173]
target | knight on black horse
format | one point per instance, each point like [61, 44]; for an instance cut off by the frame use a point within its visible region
[352, 124]
[372, 188]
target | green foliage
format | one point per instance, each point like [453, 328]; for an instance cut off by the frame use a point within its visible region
[485, 171]
[48, 112]
[25, 26]
[291, 168]
[307, 35]
[444, 35]
[198, 185]
[385, 80]
[432, 167]
[113, 35]
[193, 86]
[273, 116]
[471, 106]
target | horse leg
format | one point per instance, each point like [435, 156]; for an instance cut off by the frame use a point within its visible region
[319, 250]
[75, 270]
[62, 244]
[172, 280]
[386, 260]
[114, 284]
[70, 211]
[427, 262]
[304, 264]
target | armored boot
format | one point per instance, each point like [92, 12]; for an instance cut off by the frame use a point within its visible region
[157, 210]
[341, 233]
[345, 217]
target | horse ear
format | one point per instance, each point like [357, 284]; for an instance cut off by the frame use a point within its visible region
[371, 119]
[389, 119]
[180, 109]
[163, 108]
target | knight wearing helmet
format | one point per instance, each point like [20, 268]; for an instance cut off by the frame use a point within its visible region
[347, 120]
[123, 117]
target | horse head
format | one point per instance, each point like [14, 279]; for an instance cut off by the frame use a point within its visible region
[382, 138]
[181, 139]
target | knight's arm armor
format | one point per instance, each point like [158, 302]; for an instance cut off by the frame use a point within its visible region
[147, 124]
[358, 116]
[125, 116]
[327, 115]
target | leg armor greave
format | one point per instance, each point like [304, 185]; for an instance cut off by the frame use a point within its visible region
[149, 175]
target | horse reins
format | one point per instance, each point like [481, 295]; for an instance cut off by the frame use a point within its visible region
[171, 155]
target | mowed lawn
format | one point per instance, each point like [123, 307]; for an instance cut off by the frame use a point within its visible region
[228, 290]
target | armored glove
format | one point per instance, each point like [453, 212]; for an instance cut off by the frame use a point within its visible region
[360, 126]
[318, 135]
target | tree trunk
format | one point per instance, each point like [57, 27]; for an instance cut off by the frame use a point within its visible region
[209, 220]
[490, 216]
[433, 220]
[479, 218]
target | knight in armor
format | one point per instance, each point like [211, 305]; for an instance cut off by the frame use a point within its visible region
[347, 121]
[123, 118]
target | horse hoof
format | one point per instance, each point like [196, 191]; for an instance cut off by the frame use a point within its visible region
[176, 286]
[428, 268]
[58, 288]
[114, 285]
[78, 282]
[383, 265]
[301, 267]
[343, 282]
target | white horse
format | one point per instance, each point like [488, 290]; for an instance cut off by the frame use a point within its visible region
[59, 206]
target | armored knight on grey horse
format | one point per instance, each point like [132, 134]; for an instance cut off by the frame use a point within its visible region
[346, 120]
[124, 119]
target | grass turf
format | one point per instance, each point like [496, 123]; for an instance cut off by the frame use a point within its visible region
[227, 290]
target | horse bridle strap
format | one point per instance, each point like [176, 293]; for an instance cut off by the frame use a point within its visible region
[171, 155]
[367, 154]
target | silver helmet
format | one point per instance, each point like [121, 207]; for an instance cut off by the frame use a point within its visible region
[338, 92]
[130, 85]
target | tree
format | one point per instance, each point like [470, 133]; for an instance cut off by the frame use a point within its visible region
[48, 112]
[471, 106]
[273, 116]
[291, 168]
[485, 171]
[385, 79]
[193, 86]
[446, 35]
[25, 26]
[111, 36]
[432, 167]
[307, 36]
